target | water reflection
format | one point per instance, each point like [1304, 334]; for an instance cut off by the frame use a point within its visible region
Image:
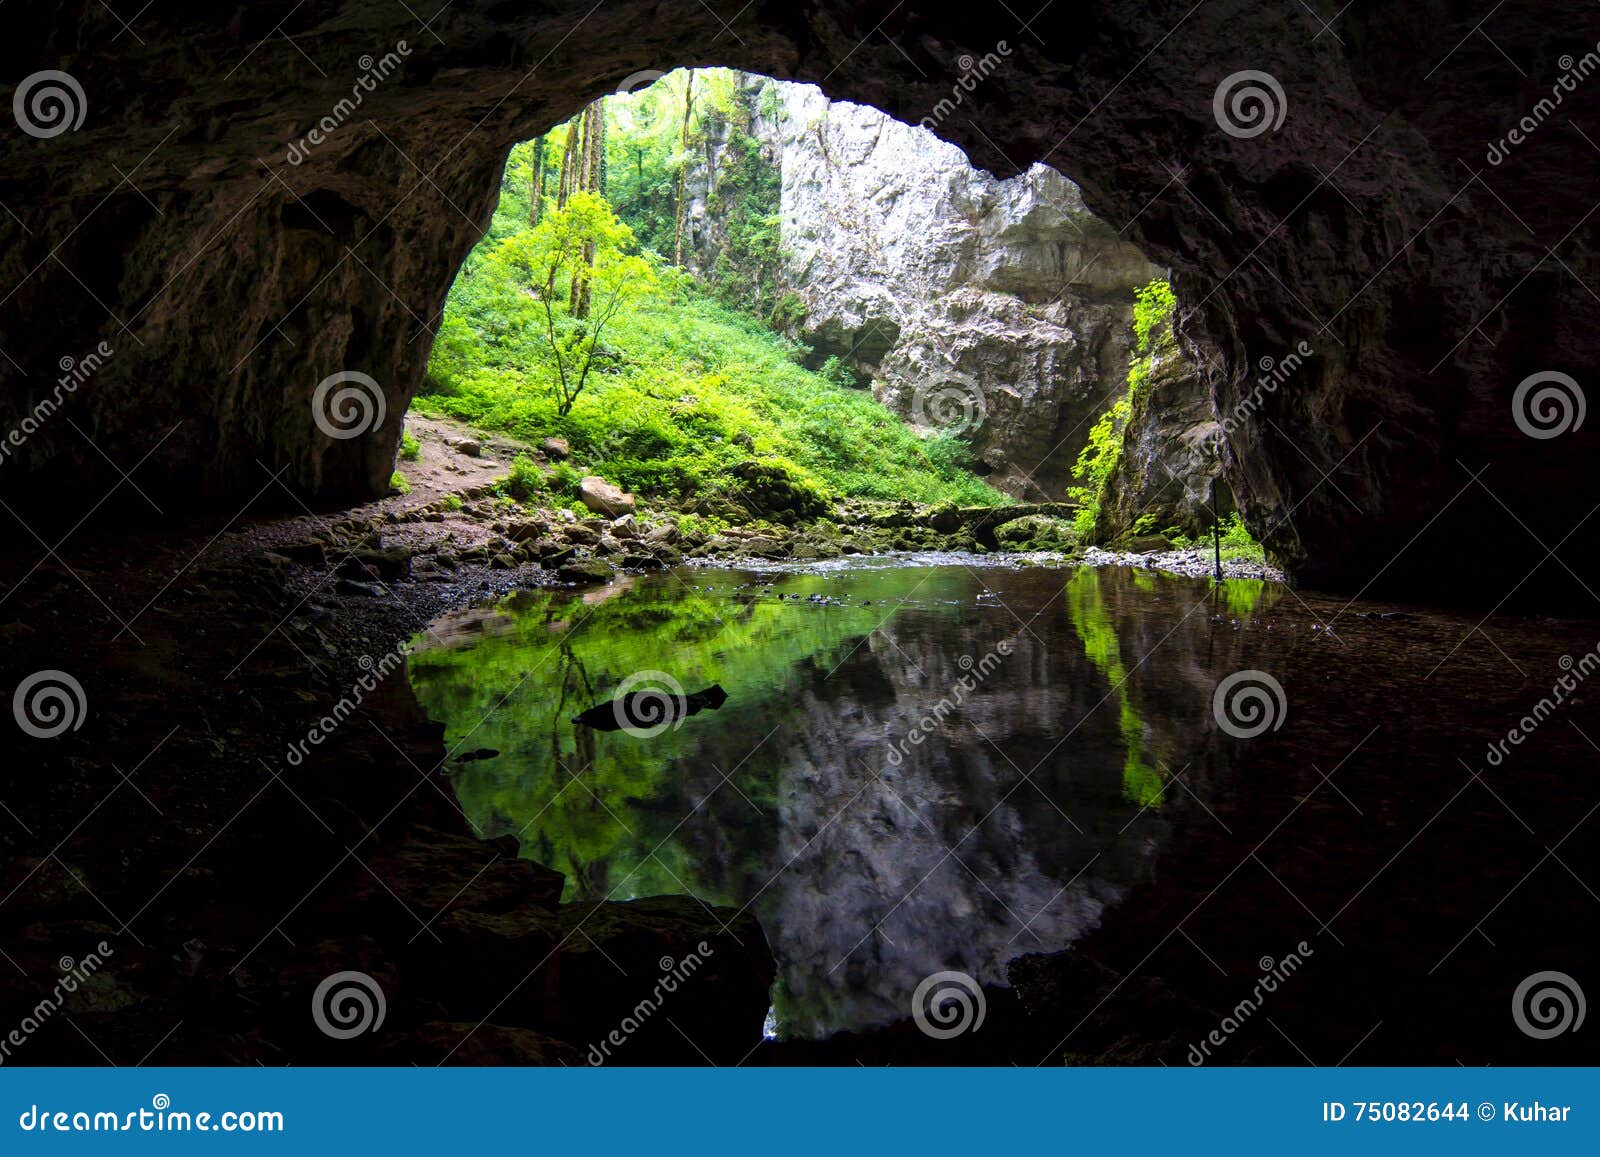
[910, 771]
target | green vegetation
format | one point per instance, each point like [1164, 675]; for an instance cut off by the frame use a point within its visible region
[399, 483]
[1152, 331]
[1237, 544]
[567, 320]
[410, 448]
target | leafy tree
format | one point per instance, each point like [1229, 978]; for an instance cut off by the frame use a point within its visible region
[580, 244]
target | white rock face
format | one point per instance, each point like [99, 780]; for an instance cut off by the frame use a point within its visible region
[998, 308]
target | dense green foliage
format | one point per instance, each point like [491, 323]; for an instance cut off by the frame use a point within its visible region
[1152, 327]
[663, 388]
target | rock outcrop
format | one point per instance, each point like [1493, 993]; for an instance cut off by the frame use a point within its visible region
[172, 223]
[997, 309]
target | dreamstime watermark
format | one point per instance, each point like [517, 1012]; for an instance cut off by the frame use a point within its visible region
[634, 81]
[1548, 404]
[347, 1004]
[159, 1118]
[1248, 103]
[73, 974]
[1273, 974]
[373, 73]
[1249, 703]
[1274, 372]
[974, 71]
[952, 403]
[648, 703]
[351, 411]
[1572, 71]
[373, 673]
[49, 703]
[673, 974]
[977, 670]
[74, 372]
[49, 103]
[948, 1004]
[1561, 692]
[1548, 1004]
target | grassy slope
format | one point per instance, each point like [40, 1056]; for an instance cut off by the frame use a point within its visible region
[694, 388]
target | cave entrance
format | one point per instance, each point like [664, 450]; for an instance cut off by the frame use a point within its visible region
[711, 272]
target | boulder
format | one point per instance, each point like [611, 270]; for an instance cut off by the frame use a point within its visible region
[603, 498]
[585, 570]
[556, 448]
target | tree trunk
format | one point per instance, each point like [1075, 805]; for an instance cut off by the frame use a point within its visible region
[536, 183]
[683, 171]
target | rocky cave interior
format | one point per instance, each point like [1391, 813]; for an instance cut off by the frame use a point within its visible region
[229, 283]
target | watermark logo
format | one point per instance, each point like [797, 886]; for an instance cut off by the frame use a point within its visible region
[974, 71]
[49, 703]
[74, 373]
[74, 974]
[1562, 691]
[975, 672]
[650, 702]
[948, 1004]
[634, 81]
[1572, 71]
[1548, 1004]
[952, 403]
[1548, 404]
[1274, 373]
[48, 104]
[1273, 974]
[1249, 703]
[673, 974]
[373, 72]
[1248, 103]
[351, 411]
[348, 1004]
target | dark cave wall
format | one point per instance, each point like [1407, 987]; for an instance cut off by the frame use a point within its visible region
[229, 282]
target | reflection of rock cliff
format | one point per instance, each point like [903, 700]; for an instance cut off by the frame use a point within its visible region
[1012, 817]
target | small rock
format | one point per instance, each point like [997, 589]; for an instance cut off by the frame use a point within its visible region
[585, 570]
[469, 448]
[363, 590]
[556, 448]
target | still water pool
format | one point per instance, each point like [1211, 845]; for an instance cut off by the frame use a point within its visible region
[916, 767]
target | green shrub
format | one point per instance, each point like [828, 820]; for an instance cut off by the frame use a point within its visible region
[524, 481]
[399, 483]
[410, 448]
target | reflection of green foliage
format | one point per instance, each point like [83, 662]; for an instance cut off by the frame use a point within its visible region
[603, 806]
[1086, 606]
[1242, 596]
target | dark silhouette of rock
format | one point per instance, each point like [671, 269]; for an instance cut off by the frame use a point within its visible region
[649, 709]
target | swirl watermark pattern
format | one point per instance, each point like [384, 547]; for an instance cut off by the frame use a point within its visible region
[1249, 703]
[347, 1004]
[1548, 404]
[48, 104]
[1548, 1004]
[954, 403]
[352, 411]
[650, 702]
[1248, 103]
[634, 81]
[49, 703]
[947, 1004]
